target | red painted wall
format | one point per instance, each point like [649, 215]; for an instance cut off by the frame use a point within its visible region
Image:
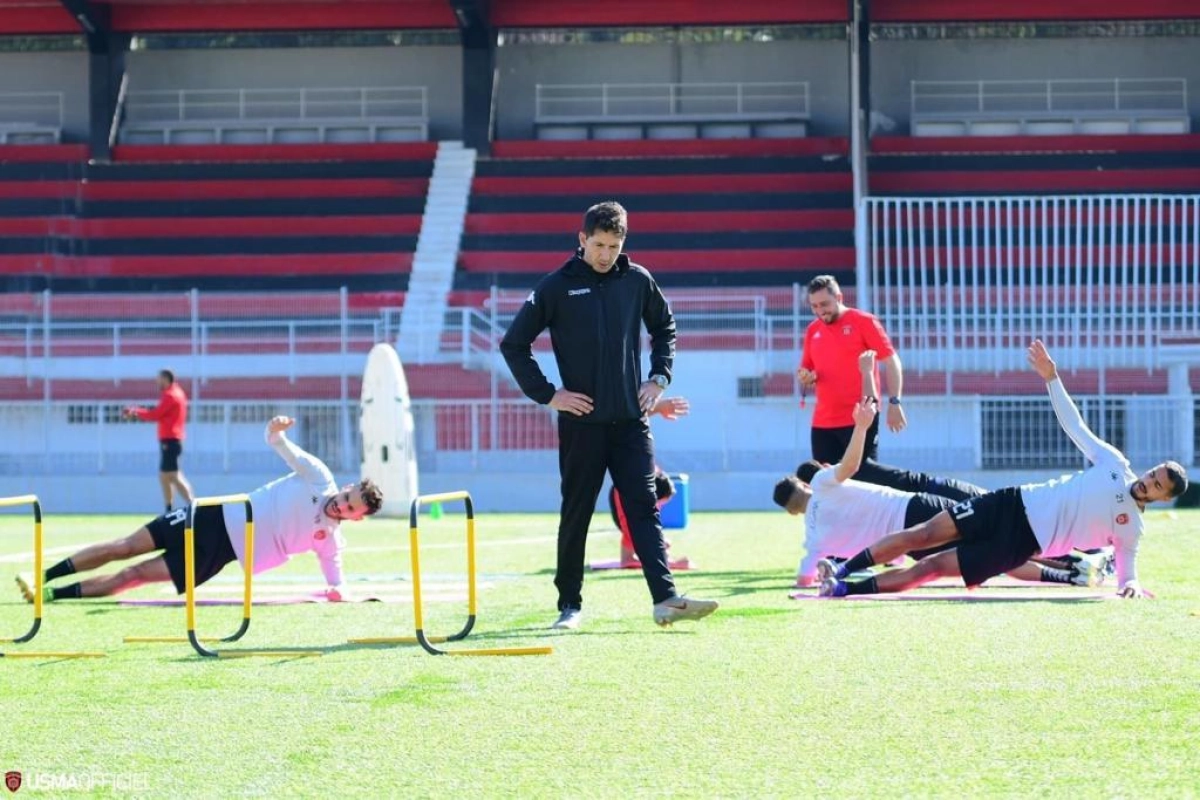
[996, 10]
[52, 18]
[398, 15]
[584, 13]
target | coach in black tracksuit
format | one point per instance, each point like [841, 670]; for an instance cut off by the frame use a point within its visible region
[595, 306]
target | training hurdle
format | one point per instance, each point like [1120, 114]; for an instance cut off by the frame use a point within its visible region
[427, 642]
[38, 573]
[189, 561]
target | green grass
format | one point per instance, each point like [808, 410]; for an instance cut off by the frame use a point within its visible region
[769, 698]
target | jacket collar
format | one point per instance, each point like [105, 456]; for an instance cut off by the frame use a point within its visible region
[578, 267]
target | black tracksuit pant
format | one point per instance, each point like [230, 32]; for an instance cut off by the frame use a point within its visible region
[625, 450]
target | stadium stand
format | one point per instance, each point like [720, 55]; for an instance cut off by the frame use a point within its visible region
[1009, 165]
[702, 213]
[220, 217]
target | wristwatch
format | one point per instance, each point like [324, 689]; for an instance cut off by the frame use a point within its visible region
[894, 401]
[661, 380]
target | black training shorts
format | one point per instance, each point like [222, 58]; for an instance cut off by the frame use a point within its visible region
[172, 449]
[995, 532]
[213, 548]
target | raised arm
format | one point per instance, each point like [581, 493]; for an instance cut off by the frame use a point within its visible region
[1091, 445]
[866, 366]
[864, 415]
[303, 463]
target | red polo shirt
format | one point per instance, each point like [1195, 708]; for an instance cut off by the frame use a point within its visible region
[171, 413]
[832, 352]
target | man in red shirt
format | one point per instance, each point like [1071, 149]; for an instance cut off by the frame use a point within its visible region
[832, 345]
[171, 416]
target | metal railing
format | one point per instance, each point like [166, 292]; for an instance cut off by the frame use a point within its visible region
[634, 101]
[32, 108]
[63, 438]
[962, 283]
[1060, 96]
[249, 105]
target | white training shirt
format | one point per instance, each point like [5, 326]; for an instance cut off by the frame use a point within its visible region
[844, 518]
[1087, 509]
[289, 516]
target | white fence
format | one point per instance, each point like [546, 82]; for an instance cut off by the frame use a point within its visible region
[963, 283]
[1059, 96]
[248, 105]
[666, 101]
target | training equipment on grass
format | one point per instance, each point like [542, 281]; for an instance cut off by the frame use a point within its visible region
[421, 638]
[38, 573]
[189, 569]
[389, 454]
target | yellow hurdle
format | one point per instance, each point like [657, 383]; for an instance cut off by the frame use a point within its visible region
[38, 573]
[189, 568]
[421, 638]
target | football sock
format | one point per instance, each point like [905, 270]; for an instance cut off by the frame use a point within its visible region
[1051, 575]
[60, 570]
[869, 586]
[72, 592]
[860, 561]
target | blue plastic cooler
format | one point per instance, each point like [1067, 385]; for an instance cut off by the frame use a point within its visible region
[675, 512]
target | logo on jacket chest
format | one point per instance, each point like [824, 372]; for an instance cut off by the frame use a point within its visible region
[575, 292]
[1122, 519]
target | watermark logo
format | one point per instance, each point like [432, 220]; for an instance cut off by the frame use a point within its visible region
[12, 779]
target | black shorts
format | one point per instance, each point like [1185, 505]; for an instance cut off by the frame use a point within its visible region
[922, 508]
[996, 536]
[172, 449]
[829, 444]
[213, 548]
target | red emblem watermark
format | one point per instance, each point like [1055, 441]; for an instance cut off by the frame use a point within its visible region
[12, 780]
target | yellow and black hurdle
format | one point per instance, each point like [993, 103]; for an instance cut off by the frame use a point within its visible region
[38, 579]
[423, 639]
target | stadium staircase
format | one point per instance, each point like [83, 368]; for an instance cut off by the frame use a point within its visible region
[434, 262]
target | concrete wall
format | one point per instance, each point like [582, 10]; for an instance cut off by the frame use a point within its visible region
[65, 72]
[823, 64]
[439, 69]
[895, 64]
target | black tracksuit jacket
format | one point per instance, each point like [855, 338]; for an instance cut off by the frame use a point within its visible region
[595, 323]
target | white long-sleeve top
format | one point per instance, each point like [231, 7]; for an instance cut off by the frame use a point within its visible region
[843, 518]
[289, 516]
[1092, 508]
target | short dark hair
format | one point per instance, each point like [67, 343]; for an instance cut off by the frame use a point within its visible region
[609, 216]
[827, 282]
[808, 470]
[664, 487]
[372, 495]
[167, 375]
[784, 490]
[1179, 477]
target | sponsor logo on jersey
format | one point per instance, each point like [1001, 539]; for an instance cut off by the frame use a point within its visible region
[1122, 519]
[574, 292]
[846, 329]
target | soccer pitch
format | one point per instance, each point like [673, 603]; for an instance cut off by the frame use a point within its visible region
[770, 697]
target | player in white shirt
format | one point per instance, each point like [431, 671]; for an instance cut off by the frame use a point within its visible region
[298, 513]
[1099, 506]
[843, 515]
